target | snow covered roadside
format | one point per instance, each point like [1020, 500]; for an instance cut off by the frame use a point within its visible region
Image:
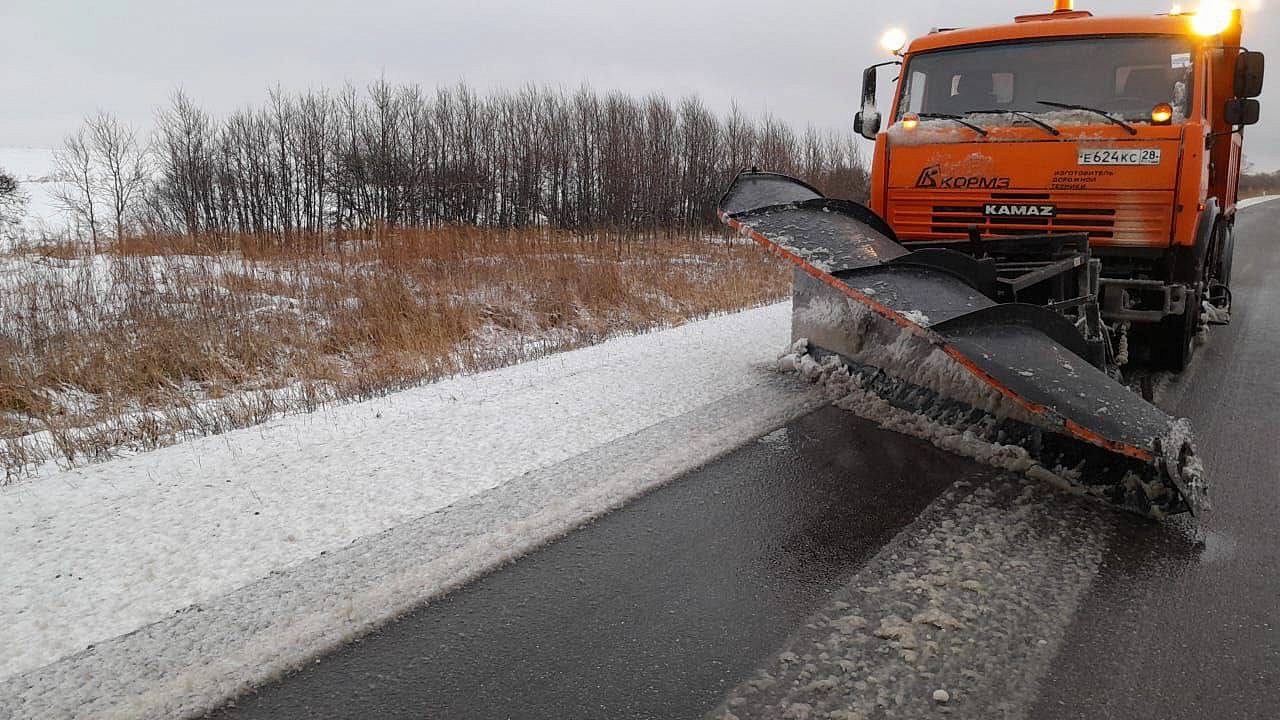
[98, 552]
[1254, 201]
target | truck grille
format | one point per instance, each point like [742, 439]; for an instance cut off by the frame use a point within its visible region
[1109, 218]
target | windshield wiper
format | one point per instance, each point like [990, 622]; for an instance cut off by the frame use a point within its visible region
[959, 120]
[1024, 115]
[1067, 106]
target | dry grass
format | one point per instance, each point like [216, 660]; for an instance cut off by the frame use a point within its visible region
[169, 337]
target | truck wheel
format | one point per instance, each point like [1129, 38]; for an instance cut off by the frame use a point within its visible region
[1176, 336]
[1225, 252]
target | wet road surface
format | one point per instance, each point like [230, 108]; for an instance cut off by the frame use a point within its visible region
[1179, 628]
[658, 610]
[650, 612]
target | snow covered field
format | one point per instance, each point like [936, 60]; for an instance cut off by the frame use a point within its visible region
[98, 552]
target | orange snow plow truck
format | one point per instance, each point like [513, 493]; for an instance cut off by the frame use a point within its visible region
[1048, 197]
[1123, 130]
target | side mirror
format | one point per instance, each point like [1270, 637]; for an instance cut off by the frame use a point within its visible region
[1248, 82]
[1242, 111]
[867, 125]
[867, 122]
[869, 86]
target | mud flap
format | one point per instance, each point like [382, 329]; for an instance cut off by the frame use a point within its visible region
[925, 335]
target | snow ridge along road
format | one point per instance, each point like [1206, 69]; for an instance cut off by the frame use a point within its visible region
[223, 524]
[973, 600]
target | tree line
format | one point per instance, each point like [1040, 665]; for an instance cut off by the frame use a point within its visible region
[1259, 183]
[400, 156]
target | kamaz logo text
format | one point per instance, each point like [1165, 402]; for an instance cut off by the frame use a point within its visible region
[931, 177]
[999, 209]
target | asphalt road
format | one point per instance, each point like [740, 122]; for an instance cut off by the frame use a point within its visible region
[658, 610]
[654, 611]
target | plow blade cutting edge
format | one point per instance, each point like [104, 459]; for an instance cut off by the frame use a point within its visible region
[919, 333]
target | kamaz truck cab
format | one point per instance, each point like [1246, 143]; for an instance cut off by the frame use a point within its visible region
[1111, 143]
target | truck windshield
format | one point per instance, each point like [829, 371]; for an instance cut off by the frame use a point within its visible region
[1122, 76]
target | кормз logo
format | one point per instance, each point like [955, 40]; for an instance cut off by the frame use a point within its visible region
[929, 176]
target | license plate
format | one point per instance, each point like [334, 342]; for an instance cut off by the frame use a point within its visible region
[1110, 156]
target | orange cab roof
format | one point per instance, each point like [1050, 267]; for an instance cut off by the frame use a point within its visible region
[1042, 26]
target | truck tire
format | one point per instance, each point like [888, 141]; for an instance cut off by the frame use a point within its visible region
[1225, 252]
[1175, 336]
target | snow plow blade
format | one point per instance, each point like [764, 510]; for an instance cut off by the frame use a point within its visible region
[923, 332]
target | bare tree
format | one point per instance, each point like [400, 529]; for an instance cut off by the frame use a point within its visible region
[185, 141]
[123, 162]
[13, 205]
[78, 183]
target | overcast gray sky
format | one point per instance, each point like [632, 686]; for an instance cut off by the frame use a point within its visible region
[800, 60]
